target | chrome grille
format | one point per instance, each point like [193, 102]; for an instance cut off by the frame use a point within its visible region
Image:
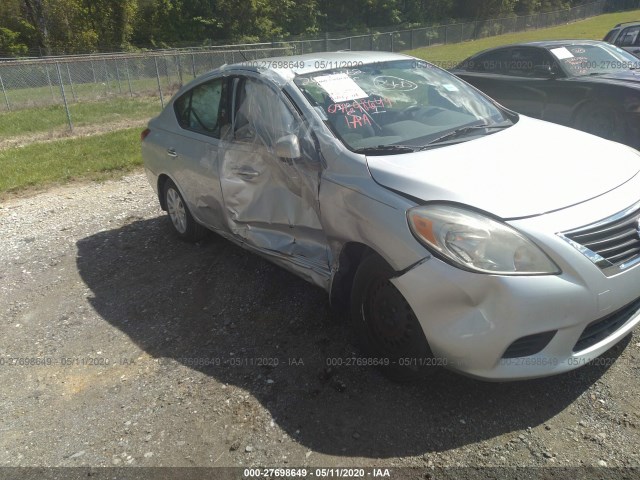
[610, 243]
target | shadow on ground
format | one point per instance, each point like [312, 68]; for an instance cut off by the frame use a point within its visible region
[214, 300]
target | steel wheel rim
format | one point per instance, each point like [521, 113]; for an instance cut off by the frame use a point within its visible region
[388, 316]
[177, 210]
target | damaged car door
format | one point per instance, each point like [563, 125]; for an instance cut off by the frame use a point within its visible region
[270, 174]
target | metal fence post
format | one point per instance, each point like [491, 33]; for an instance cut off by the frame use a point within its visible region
[93, 71]
[118, 77]
[371, 41]
[411, 42]
[166, 70]
[4, 91]
[179, 67]
[64, 97]
[106, 77]
[73, 92]
[193, 64]
[445, 33]
[391, 40]
[158, 79]
[46, 68]
[126, 69]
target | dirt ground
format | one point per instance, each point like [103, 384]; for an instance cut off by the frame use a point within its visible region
[122, 346]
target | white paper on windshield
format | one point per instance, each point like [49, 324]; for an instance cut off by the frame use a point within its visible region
[340, 87]
[449, 87]
[562, 53]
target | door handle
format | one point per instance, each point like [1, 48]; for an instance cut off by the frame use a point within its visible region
[172, 152]
[246, 173]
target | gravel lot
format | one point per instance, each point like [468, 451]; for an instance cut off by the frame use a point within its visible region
[121, 345]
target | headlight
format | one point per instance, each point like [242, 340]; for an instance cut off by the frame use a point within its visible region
[475, 242]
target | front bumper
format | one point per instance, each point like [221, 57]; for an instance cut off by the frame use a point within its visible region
[470, 320]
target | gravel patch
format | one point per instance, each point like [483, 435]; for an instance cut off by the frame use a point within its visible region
[122, 346]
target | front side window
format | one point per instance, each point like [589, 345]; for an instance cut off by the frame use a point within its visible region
[404, 102]
[629, 37]
[261, 113]
[201, 109]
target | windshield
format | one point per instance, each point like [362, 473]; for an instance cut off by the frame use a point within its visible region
[406, 103]
[581, 60]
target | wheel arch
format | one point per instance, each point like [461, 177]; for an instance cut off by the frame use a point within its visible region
[162, 181]
[351, 255]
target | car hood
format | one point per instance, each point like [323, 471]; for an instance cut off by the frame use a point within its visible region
[627, 77]
[531, 168]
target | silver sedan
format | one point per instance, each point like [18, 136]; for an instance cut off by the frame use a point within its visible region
[455, 232]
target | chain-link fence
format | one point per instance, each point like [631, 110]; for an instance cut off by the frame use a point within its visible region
[155, 76]
[393, 40]
[93, 78]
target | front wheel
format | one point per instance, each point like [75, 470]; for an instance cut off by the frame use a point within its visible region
[385, 327]
[181, 219]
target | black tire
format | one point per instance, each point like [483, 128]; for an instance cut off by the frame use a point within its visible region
[384, 326]
[602, 120]
[179, 215]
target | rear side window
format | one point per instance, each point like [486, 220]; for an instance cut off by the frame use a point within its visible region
[491, 62]
[611, 35]
[522, 61]
[202, 109]
[628, 37]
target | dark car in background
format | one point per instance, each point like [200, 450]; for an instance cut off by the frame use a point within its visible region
[589, 85]
[626, 36]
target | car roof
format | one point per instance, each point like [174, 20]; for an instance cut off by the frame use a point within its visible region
[313, 62]
[625, 24]
[544, 44]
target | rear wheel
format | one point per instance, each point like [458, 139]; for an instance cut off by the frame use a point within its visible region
[181, 219]
[602, 120]
[385, 327]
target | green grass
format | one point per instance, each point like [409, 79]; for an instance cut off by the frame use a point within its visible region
[94, 158]
[53, 118]
[20, 98]
[594, 28]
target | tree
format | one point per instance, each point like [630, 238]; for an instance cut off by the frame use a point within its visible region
[112, 21]
[10, 44]
[34, 14]
[480, 9]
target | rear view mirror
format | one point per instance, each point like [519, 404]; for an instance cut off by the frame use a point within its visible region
[288, 147]
[544, 71]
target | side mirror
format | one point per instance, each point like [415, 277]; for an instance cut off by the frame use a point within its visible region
[544, 71]
[288, 147]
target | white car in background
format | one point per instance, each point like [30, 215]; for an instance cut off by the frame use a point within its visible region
[459, 233]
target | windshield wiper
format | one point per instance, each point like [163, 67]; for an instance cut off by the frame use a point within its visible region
[459, 132]
[385, 150]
